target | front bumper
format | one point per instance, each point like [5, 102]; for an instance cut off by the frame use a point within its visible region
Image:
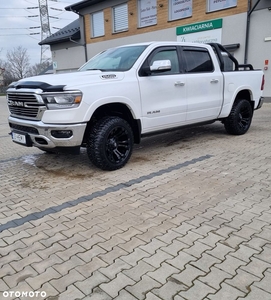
[47, 136]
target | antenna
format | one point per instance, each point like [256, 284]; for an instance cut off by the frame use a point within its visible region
[45, 54]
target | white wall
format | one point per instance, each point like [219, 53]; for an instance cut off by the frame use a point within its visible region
[68, 57]
[233, 32]
[160, 35]
[258, 49]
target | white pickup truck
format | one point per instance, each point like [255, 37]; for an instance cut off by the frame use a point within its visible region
[125, 93]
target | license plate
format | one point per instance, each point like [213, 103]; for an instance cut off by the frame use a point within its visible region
[19, 138]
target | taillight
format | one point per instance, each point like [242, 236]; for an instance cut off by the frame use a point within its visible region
[262, 86]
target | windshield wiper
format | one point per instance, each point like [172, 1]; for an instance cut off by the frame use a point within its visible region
[95, 70]
[103, 70]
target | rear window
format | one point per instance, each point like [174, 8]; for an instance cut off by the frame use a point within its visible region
[228, 63]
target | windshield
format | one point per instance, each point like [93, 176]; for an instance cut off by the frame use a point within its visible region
[116, 59]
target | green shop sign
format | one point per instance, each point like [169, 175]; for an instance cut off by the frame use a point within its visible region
[202, 26]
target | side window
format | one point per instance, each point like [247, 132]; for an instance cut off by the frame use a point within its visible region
[166, 54]
[197, 60]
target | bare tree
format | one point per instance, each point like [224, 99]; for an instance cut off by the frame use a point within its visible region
[18, 64]
[2, 70]
[2, 63]
[38, 68]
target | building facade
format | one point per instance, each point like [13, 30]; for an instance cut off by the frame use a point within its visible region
[233, 23]
[259, 40]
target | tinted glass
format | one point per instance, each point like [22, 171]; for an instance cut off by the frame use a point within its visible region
[197, 61]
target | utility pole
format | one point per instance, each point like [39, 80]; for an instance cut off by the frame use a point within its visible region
[45, 54]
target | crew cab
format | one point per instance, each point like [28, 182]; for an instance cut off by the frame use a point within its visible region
[127, 92]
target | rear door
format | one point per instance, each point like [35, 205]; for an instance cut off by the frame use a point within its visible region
[204, 85]
[163, 94]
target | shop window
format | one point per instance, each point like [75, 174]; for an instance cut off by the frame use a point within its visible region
[179, 9]
[213, 5]
[97, 22]
[147, 13]
[120, 18]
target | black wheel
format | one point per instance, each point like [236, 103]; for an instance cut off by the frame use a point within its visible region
[239, 120]
[110, 143]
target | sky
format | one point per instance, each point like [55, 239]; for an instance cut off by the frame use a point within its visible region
[17, 19]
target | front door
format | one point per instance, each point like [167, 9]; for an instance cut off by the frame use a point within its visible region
[163, 94]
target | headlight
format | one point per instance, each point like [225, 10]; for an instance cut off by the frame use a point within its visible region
[62, 100]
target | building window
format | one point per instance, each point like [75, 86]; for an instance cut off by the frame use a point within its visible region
[147, 13]
[97, 22]
[120, 18]
[180, 9]
[213, 5]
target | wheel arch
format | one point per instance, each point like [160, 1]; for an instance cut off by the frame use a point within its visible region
[241, 93]
[119, 110]
[247, 95]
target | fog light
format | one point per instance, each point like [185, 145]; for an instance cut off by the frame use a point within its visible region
[41, 141]
[61, 134]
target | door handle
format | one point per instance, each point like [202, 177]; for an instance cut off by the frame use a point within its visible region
[214, 81]
[179, 83]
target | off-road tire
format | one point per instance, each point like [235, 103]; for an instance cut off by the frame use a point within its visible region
[110, 143]
[239, 120]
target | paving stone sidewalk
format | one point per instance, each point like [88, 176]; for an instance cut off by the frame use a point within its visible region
[189, 217]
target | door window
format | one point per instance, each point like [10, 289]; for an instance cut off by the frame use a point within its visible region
[197, 60]
[169, 53]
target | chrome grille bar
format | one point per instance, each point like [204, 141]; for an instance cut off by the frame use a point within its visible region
[25, 105]
[22, 97]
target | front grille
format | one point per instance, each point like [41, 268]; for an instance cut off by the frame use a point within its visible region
[24, 128]
[24, 105]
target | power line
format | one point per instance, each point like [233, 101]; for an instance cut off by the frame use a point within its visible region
[17, 7]
[20, 34]
[20, 28]
[53, 8]
[12, 16]
[33, 10]
[59, 1]
[45, 29]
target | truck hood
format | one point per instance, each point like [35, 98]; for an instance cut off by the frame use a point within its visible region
[66, 81]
